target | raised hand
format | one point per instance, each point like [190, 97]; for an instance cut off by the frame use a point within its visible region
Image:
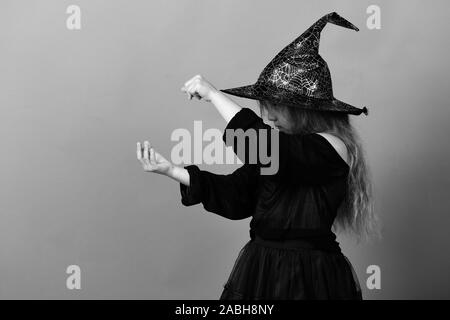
[199, 87]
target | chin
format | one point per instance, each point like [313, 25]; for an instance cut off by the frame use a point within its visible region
[285, 131]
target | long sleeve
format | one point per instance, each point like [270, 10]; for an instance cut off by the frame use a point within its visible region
[232, 196]
[306, 157]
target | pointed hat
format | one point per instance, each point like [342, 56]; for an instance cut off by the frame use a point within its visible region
[298, 76]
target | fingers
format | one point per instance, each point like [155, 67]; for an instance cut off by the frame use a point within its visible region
[152, 157]
[140, 155]
[188, 92]
[192, 90]
[147, 156]
[146, 153]
[139, 151]
[190, 85]
[187, 83]
[185, 89]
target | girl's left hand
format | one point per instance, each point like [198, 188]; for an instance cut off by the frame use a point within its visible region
[200, 88]
[151, 160]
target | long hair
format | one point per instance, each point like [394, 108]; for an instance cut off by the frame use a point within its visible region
[356, 214]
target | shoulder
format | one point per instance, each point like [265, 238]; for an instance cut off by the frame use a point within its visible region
[337, 144]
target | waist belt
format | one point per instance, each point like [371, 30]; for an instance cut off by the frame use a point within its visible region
[312, 243]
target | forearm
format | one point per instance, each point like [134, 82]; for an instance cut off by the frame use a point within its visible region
[179, 174]
[226, 107]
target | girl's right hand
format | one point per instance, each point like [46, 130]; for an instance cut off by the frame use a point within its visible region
[152, 161]
[199, 87]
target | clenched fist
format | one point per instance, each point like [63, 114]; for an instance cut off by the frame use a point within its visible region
[199, 87]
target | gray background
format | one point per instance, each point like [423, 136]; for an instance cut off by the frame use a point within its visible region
[74, 104]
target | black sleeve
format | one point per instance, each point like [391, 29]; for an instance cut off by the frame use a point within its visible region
[306, 157]
[232, 196]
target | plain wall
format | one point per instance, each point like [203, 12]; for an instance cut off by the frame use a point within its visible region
[74, 104]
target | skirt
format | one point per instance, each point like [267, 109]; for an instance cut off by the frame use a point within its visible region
[290, 270]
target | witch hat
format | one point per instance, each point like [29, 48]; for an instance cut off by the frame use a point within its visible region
[298, 76]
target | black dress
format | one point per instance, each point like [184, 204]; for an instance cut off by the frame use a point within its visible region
[292, 252]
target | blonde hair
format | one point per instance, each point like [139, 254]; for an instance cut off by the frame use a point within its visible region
[356, 214]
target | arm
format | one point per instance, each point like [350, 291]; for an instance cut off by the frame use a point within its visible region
[232, 196]
[226, 107]
[179, 174]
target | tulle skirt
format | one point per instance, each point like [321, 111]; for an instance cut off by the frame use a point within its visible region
[264, 272]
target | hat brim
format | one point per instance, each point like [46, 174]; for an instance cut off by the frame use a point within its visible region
[294, 99]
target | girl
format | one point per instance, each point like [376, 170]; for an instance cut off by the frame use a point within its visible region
[322, 183]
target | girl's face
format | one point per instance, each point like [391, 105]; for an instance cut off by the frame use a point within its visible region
[280, 119]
